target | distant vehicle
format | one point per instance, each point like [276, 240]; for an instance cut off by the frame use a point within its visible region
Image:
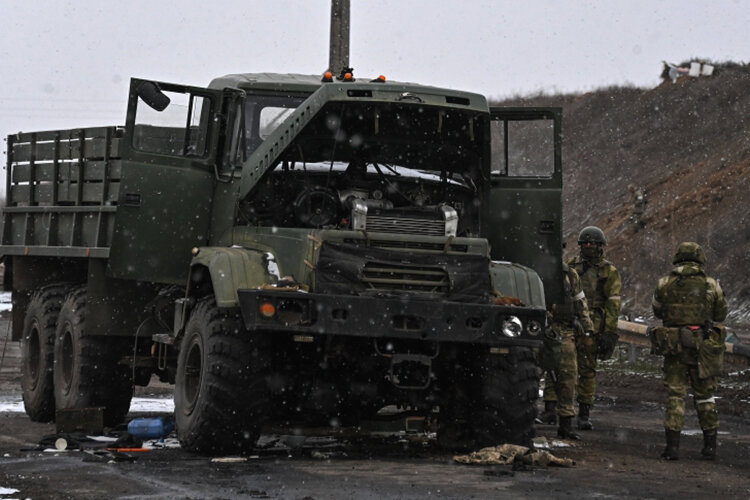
[289, 248]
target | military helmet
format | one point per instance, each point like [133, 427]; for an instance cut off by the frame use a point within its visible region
[592, 234]
[689, 251]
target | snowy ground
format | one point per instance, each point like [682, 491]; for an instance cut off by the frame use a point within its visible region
[14, 404]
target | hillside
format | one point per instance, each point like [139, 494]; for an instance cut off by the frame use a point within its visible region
[687, 144]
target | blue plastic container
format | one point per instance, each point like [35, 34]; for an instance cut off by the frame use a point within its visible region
[151, 428]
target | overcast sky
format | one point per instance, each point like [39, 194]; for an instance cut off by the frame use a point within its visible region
[67, 63]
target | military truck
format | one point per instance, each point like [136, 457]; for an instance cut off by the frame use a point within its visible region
[289, 249]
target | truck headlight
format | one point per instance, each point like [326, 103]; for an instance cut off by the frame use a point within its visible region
[534, 327]
[511, 326]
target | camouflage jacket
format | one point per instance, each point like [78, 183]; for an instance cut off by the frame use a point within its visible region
[688, 297]
[574, 309]
[601, 283]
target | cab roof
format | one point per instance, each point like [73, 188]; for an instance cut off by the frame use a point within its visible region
[296, 82]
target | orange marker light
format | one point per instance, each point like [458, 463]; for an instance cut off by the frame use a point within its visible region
[381, 78]
[347, 76]
[267, 309]
[327, 76]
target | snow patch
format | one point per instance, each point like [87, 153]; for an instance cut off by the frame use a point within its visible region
[5, 304]
[14, 404]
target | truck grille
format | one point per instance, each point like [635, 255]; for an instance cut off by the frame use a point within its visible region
[405, 225]
[414, 279]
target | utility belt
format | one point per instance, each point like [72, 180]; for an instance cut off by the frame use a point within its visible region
[693, 344]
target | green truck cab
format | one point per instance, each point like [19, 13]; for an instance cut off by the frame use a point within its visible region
[289, 248]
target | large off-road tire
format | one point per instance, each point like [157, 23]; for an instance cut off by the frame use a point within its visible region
[454, 430]
[504, 407]
[221, 394]
[86, 372]
[37, 352]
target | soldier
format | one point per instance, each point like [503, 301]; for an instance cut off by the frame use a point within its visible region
[688, 302]
[639, 206]
[601, 283]
[567, 320]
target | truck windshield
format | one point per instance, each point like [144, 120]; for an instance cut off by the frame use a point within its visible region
[263, 114]
[443, 140]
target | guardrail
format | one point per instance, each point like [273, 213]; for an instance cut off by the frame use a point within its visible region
[635, 334]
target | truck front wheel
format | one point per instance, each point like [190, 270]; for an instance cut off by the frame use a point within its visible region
[504, 408]
[221, 395]
[86, 372]
[37, 352]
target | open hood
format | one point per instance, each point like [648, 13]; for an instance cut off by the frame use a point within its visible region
[422, 128]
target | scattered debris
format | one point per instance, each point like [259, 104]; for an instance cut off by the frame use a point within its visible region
[90, 420]
[695, 70]
[228, 460]
[151, 428]
[506, 454]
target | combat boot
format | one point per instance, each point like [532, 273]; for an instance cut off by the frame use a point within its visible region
[709, 445]
[584, 423]
[549, 415]
[671, 452]
[565, 430]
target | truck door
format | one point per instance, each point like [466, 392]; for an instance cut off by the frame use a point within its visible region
[524, 219]
[169, 165]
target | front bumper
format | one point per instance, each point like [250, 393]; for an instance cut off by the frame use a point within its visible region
[378, 317]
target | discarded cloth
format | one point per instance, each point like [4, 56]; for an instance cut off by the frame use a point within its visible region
[506, 454]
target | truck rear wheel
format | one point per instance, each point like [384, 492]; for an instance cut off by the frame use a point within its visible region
[37, 352]
[505, 405]
[86, 372]
[221, 395]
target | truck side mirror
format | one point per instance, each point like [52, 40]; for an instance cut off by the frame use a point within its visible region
[152, 95]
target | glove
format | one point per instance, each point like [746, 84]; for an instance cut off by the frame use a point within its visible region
[606, 345]
[551, 351]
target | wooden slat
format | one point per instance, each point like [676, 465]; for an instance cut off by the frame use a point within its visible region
[61, 209]
[95, 147]
[20, 193]
[49, 135]
[92, 252]
[95, 170]
[43, 192]
[92, 192]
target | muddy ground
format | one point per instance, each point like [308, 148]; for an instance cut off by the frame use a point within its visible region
[619, 459]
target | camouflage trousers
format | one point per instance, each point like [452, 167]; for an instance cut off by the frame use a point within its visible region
[563, 388]
[586, 387]
[678, 377]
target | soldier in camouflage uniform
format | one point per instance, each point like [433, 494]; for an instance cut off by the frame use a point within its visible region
[639, 206]
[688, 302]
[601, 283]
[567, 320]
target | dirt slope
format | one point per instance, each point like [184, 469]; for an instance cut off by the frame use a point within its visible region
[688, 145]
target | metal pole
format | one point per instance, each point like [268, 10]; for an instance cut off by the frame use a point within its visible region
[339, 45]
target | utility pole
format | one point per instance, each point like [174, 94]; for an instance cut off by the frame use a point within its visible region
[339, 46]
